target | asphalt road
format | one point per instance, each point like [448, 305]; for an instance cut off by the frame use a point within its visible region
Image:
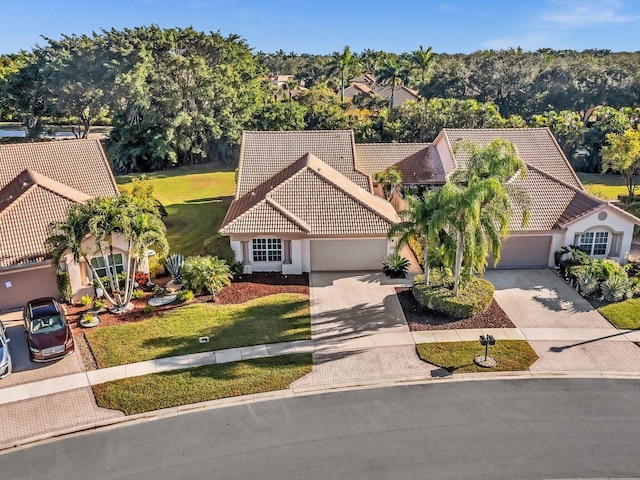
[533, 429]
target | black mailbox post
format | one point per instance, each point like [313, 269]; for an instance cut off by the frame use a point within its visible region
[486, 361]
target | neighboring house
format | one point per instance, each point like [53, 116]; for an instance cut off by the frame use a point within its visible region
[401, 94]
[38, 183]
[562, 213]
[305, 200]
[301, 205]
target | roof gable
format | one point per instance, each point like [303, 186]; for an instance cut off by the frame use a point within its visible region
[419, 163]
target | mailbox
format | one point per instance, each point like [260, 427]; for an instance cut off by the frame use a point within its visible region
[486, 340]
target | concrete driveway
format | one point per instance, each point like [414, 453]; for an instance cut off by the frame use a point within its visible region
[539, 300]
[359, 330]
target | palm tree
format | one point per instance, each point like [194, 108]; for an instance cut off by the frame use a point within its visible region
[394, 73]
[422, 60]
[416, 221]
[390, 180]
[343, 63]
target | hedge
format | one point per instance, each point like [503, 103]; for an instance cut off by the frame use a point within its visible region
[474, 297]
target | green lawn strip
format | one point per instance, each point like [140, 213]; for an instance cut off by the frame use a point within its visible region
[200, 384]
[275, 318]
[457, 357]
[624, 315]
[607, 186]
[196, 199]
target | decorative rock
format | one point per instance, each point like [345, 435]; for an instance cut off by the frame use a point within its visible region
[160, 301]
[90, 319]
[485, 362]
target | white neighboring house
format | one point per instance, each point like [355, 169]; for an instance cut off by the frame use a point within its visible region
[38, 183]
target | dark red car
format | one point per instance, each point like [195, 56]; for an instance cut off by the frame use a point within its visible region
[48, 333]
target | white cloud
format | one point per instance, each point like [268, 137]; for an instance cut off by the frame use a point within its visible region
[573, 14]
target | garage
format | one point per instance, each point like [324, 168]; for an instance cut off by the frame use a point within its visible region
[20, 286]
[347, 255]
[524, 252]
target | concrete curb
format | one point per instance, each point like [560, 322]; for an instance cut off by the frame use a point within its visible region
[306, 391]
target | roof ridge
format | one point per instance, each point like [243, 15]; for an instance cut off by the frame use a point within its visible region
[250, 209]
[293, 218]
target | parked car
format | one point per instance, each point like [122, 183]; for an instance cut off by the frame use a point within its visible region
[5, 356]
[48, 333]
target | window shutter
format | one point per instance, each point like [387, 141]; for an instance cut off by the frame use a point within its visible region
[616, 244]
[576, 239]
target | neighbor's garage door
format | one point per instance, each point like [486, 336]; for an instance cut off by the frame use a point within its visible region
[17, 288]
[524, 252]
[347, 255]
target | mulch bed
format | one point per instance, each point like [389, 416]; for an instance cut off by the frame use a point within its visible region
[420, 318]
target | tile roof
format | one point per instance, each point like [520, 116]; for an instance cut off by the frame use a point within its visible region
[419, 163]
[537, 148]
[80, 164]
[401, 95]
[312, 198]
[263, 154]
[38, 183]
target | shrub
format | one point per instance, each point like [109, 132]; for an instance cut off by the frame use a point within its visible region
[475, 296]
[64, 286]
[136, 294]
[632, 269]
[122, 276]
[99, 304]
[395, 266]
[159, 291]
[206, 274]
[616, 288]
[86, 300]
[174, 265]
[148, 309]
[588, 282]
[141, 278]
[156, 266]
[185, 295]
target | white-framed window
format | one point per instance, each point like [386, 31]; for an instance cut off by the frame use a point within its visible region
[594, 243]
[267, 249]
[100, 267]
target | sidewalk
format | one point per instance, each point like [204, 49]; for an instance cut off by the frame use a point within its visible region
[364, 342]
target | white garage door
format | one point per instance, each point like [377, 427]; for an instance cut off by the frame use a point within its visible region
[17, 288]
[524, 252]
[347, 255]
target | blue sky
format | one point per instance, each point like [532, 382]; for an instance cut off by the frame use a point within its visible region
[323, 26]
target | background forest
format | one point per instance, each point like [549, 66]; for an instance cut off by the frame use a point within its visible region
[179, 96]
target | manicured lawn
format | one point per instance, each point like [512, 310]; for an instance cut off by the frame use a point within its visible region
[276, 318]
[457, 357]
[196, 199]
[607, 186]
[182, 387]
[624, 315]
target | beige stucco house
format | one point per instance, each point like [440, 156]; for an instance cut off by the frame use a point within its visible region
[38, 183]
[306, 201]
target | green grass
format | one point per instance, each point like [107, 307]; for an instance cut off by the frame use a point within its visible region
[457, 357]
[276, 318]
[196, 199]
[625, 315]
[182, 387]
[607, 186]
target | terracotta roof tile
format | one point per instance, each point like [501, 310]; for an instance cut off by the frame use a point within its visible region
[263, 154]
[419, 163]
[537, 148]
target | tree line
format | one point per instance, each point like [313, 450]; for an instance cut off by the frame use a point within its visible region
[179, 96]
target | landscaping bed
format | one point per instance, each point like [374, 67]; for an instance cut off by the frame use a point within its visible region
[420, 318]
[256, 285]
[183, 387]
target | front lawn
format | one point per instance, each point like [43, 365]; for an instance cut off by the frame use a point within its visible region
[607, 186]
[624, 315]
[182, 387]
[277, 318]
[196, 199]
[457, 357]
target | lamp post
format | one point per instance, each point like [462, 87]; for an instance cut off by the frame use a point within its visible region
[485, 360]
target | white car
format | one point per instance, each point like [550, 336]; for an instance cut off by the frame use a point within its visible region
[5, 357]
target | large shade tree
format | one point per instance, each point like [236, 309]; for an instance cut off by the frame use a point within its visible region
[622, 154]
[103, 219]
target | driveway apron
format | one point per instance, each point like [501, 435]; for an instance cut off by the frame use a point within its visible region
[539, 299]
[359, 331]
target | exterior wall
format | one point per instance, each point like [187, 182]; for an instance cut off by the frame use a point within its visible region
[18, 286]
[615, 223]
[306, 255]
[445, 154]
[295, 267]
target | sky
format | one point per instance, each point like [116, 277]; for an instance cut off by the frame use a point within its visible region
[325, 26]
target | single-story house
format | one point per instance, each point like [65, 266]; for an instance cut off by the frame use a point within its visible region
[306, 201]
[367, 84]
[38, 183]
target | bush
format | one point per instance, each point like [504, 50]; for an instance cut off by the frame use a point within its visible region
[633, 269]
[206, 274]
[395, 266]
[185, 295]
[136, 294]
[64, 286]
[156, 266]
[141, 278]
[475, 296]
[86, 300]
[148, 309]
[617, 288]
[99, 304]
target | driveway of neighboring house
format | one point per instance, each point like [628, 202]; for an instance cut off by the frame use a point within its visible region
[539, 299]
[359, 331]
[50, 413]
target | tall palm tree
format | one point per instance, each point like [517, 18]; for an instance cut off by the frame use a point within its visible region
[394, 73]
[343, 63]
[422, 60]
[416, 221]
